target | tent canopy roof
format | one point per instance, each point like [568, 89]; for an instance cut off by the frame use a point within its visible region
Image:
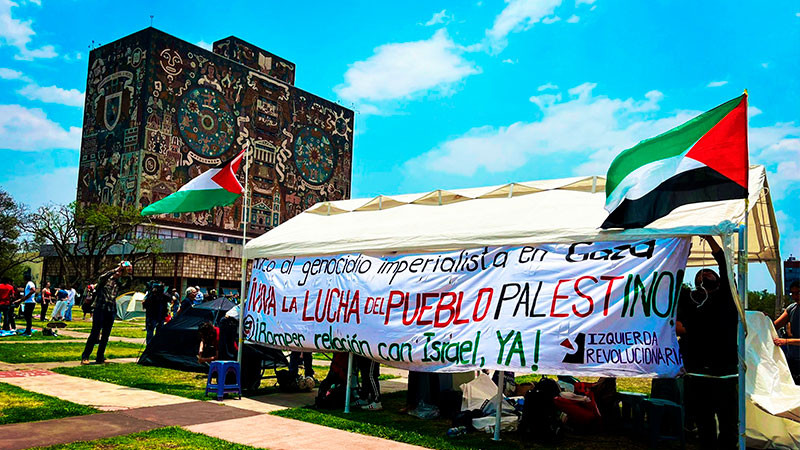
[564, 210]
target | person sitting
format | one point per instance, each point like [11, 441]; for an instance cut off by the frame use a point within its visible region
[209, 343]
[790, 318]
[61, 305]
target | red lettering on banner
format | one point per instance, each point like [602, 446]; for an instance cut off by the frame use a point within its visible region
[456, 320]
[445, 306]
[582, 295]
[392, 305]
[407, 322]
[483, 291]
[557, 297]
[425, 307]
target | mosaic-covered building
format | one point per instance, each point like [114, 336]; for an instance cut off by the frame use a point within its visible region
[159, 111]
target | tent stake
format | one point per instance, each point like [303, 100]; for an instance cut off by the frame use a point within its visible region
[501, 380]
[349, 377]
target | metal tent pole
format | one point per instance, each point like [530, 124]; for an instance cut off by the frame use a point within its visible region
[245, 222]
[349, 377]
[742, 280]
[501, 381]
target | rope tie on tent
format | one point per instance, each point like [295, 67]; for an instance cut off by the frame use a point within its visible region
[701, 288]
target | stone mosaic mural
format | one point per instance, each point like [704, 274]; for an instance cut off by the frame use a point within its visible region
[160, 111]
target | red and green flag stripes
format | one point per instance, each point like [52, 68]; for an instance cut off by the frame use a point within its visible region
[702, 160]
[214, 187]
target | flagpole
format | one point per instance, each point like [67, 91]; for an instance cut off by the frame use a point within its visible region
[245, 223]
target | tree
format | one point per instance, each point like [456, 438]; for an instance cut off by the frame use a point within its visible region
[16, 248]
[762, 301]
[83, 235]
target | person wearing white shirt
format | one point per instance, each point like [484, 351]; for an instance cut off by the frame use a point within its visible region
[71, 293]
[28, 303]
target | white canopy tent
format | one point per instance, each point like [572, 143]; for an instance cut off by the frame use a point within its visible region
[548, 211]
[565, 210]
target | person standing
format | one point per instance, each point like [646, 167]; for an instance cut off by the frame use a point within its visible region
[711, 326]
[86, 303]
[187, 302]
[104, 312]
[156, 307]
[71, 294]
[370, 396]
[61, 304]
[198, 297]
[47, 297]
[7, 304]
[791, 320]
[28, 302]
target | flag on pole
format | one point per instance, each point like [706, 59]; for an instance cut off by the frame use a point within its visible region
[702, 160]
[214, 187]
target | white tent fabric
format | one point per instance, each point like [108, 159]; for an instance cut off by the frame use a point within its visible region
[773, 401]
[547, 211]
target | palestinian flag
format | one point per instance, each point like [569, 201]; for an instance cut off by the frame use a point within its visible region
[703, 160]
[214, 187]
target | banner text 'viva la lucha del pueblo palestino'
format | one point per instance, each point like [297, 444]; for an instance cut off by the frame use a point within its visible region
[604, 309]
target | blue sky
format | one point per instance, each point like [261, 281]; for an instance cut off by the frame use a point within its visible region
[447, 94]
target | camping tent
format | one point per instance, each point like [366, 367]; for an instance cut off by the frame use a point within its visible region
[550, 211]
[129, 305]
[176, 344]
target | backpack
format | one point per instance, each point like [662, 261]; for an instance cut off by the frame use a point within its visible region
[541, 419]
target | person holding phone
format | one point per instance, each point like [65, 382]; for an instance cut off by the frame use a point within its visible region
[104, 311]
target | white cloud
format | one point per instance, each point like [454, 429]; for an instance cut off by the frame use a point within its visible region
[439, 17]
[573, 19]
[765, 65]
[29, 129]
[509, 61]
[18, 33]
[11, 74]
[594, 127]
[549, 20]
[579, 2]
[716, 83]
[203, 44]
[518, 15]
[403, 70]
[547, 86]
[752, 111]
[58, 186]
[53, 94]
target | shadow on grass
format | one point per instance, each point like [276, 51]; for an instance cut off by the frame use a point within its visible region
[391, 424]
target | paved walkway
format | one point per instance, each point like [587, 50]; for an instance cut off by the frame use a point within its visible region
[130, 410]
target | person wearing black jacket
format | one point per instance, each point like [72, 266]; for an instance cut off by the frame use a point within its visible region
[104, 311]
[156, 307]
[709, 322]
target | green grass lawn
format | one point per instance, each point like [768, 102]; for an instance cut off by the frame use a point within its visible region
[167, 381]
[37, 336]
[61, 351]
[623, 384]
[18, 405]
[171, 437]
[391, 424]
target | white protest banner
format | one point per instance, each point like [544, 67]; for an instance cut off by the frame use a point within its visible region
[604, 309]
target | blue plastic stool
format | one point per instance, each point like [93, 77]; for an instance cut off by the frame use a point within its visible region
[221, 369]
[664, 421]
